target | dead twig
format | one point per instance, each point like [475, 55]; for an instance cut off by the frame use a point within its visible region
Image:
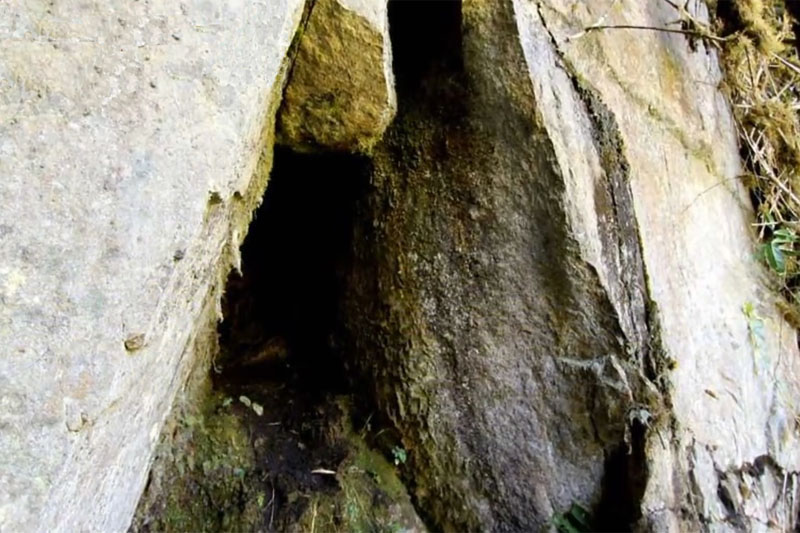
[272, 502]
[691, 33]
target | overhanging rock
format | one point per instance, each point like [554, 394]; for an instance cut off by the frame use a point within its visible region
[340, 94]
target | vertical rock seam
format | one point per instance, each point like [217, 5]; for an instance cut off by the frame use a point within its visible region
[621, 253]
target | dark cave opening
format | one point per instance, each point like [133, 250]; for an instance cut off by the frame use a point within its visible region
[282, 310]
[278, 346]
[281, 341]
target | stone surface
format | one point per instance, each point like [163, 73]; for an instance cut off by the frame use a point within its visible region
[134, 141]
[472, 289]
[733, 395]
[340, 94]
[565, 277]
[553, 296]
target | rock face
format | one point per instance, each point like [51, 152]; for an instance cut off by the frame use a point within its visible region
[135, 139]
[731, 443]
[340, 94]
[553, 297]
[557, 266]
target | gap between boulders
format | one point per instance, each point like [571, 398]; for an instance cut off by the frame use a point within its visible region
[290, 436]
[284, 440]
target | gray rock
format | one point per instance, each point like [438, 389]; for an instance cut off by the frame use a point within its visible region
[565, 281]
[135, 138]
[732, 395]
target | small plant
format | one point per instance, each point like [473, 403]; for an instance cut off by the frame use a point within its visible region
[780, 250]
[575, 520]
[400, 455]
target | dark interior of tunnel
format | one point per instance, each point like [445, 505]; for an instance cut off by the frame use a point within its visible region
[284, 305]
[277, 338]
[281, 311]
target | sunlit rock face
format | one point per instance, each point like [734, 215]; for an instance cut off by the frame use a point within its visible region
[135, 140]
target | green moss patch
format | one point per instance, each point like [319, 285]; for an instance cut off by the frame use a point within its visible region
[203, 479]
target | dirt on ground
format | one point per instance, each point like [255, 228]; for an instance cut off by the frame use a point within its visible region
[270, 452]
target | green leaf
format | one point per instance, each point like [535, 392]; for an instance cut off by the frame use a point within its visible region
[774, 257]
[400, 455]
[563, 525]
[785, 235]
[580, 516]
[574, 520]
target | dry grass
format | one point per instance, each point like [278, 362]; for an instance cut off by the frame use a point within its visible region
[762, 72]
[759, 55]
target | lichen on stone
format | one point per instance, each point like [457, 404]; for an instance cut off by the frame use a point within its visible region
[340, 95]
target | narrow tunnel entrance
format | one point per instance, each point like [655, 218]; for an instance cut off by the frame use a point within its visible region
[280, 313]
[279, 363]
[284, 440]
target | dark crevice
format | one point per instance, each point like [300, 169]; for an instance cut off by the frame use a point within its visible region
[625, 469]
[428, 67]
[277, 339]
[427, 49]
[624, 483]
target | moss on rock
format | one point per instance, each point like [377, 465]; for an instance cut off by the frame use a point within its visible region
[201, 482]
[340, 94]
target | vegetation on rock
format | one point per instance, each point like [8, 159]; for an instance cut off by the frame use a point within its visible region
[762, 68]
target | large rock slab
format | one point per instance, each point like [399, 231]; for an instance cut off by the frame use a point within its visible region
[505, 357]
[340, 94]
[134, 142]
[565, 279]
[731, 443]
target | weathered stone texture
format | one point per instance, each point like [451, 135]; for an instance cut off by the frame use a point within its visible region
[132, 148]
[734, 391]
[340, 94]
[472, 290]
[563, 263]
[554, 296]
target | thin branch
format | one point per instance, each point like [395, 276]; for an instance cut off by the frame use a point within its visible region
[691, 33]
[599, 21]
[788, 64]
